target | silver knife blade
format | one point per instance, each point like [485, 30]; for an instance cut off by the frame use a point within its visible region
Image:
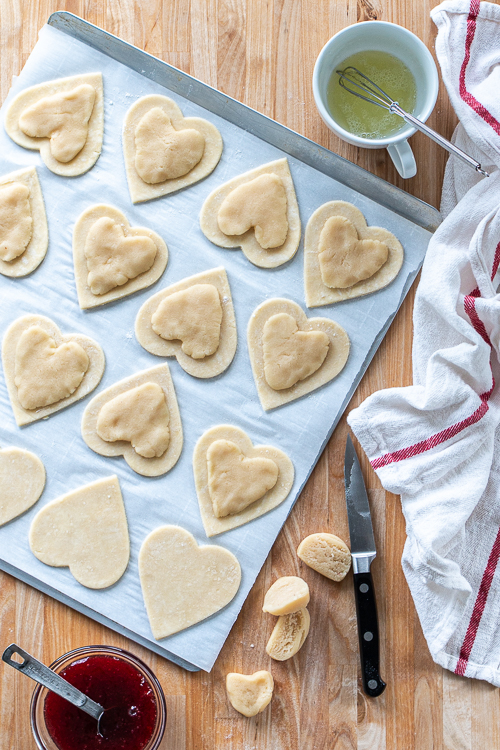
[363, 548]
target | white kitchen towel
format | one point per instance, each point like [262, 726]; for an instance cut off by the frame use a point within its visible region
[437, 443]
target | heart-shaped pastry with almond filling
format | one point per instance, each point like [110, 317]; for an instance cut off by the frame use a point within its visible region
[237, 481]
[183, 583]
[292, 355]
[63, 119]
[22, 479]
[165, 151]
[192, 320]
[85, 530]
[46, 371]
[137, 418]
[258, 212]
[24, 236]
[113, 259]
[344, 258]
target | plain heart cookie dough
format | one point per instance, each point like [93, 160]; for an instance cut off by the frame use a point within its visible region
[292, 355]
[46, 370]
[22, 479]
[165, 151]
[85, 530]
[344, 258]
[183, 583]
[193, 321]
[257, 212]
[113, 259]
[327, 554]
[288, 635]
[24, 236]
[287, 595]
[249, 694]
[137, 418]
[237, 481]
[63, 119]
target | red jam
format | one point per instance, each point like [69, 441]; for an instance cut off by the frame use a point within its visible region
[118, 686]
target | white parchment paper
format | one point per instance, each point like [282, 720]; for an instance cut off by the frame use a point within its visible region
[299, 428]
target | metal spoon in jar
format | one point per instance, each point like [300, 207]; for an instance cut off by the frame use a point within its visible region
[52, 681]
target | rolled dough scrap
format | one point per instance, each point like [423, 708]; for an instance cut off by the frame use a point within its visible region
[288, 635]
[121, 259]
[46, 373]
[35, 249]
[133, 424]
[22, 479]
[327, 554]
[248, 242]
[287, 595]
[259, 204]
[199, 331]
[335, 360]
[77, 528]
[234, 481]
[272, 498]
[249, 694]
[154, 140]
[17, 332]
[187, 323]
[291, 355]
[318, 293]
[183, 583]
[60, 142]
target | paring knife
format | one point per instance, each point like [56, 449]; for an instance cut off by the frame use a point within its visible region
[363, 553]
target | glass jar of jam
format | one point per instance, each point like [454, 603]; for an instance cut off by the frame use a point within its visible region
[135, 710]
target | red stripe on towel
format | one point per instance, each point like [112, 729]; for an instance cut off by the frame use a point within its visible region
[466, 95]
[449, 432]
[479, 605]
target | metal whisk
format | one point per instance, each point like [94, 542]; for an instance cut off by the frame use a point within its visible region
[369, 91]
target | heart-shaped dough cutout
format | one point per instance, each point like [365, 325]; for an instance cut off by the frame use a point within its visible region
[199, 329]
[22, 479]
[24, 236]
[259, 198]
[273, 317]
[320, 250]
[208, 451]
[259, 204]
[165, 151]
[113, 259]
[63, 119]
[199, 310]
[77, 528]
[41, 363]
[142, 407]
[45, 372]
[162, 152]
[183, 583]
[291, 355]
[250, 693]
[236, 481]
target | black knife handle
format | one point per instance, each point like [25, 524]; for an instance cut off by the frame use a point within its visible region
[366, 610]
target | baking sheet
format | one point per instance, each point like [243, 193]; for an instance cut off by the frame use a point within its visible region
[300, 428]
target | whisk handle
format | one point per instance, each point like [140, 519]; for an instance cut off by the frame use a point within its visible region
[411, 120]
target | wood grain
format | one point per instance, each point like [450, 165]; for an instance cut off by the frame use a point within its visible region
[262, 52]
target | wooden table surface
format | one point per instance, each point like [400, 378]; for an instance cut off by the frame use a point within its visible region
[262, 52]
